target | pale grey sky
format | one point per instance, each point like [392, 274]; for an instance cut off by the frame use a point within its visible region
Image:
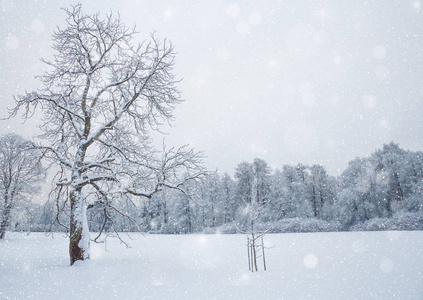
[287, 81]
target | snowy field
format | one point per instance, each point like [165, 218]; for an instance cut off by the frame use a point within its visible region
[353, 265]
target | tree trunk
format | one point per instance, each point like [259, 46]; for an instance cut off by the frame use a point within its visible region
[79, 237]
[6, 214]
[248, 249]
[313, 201]
[253, 245]
[254, 256]
[165, 212]
[4, 222]
[251, 255]
[264, 258]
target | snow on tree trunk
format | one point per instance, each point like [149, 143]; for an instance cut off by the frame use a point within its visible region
[79, 233]
[5, 217]
[4, 222]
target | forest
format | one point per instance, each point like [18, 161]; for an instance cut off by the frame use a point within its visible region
[383, 191]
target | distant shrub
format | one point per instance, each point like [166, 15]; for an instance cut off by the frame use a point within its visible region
[400, 221]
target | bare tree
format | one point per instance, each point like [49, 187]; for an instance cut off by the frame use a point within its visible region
[21, 174]
[254, 213]
[101, 98]
[254, 179]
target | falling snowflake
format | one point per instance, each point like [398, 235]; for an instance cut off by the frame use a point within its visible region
[310, 261]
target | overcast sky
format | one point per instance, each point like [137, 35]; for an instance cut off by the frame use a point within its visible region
[286, 81]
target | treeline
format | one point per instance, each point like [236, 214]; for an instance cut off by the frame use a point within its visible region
[379, 192]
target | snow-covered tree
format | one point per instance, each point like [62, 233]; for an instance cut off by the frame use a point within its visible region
[303, 191]
[261, 180]
[322, 190]
[388, 163]
[211, 204]
[230, 205]
[21, 175]
[277, 195]
[414, 181]
[244, 182]
[289, 192]
[100, 99]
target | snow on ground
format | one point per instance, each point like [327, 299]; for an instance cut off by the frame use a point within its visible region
[351, 265]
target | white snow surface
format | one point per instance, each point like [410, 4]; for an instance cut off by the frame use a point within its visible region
[348, 265]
